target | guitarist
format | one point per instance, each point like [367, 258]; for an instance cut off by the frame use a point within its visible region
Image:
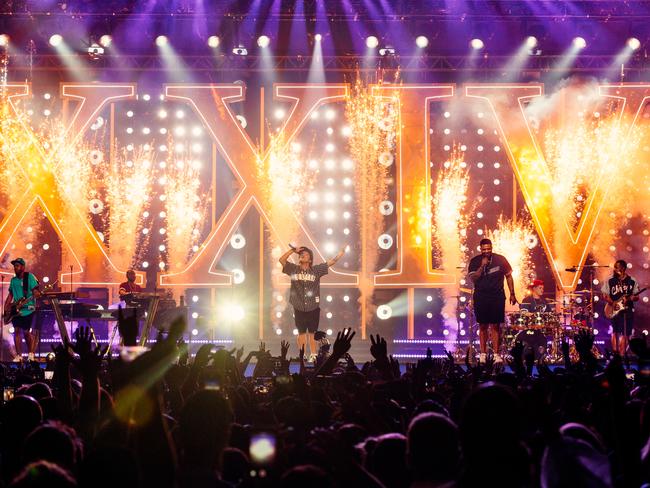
[24, 284]
[621, 286]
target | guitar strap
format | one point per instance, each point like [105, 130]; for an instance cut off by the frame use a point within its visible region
[25, 283]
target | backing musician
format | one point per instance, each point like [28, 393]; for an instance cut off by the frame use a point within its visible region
[621, 286]
[129, 286]
[487, 271]
[23, 285]
[535, 301]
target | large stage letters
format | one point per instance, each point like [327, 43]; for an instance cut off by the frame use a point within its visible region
[413, 265]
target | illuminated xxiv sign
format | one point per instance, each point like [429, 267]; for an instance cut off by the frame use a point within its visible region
[565, 245]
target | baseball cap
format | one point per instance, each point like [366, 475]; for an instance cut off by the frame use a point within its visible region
[18, 261]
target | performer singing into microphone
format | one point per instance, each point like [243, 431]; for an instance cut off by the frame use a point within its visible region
[621, 286]
[305, 292]
[487, 271]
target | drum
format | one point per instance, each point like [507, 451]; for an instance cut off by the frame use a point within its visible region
[518, 320]
[533, 339]
[537, 321]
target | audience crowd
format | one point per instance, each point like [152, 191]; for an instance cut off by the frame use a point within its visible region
[163, 420]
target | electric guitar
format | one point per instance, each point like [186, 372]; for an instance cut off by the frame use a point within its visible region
[612, 310]
[14, 310]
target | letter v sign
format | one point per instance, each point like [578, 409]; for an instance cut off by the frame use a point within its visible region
[213, 104]
[45, 189]
[564, 246]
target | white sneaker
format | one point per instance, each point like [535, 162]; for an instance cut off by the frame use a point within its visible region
[30, 357]
[482, 358]
[498, 358]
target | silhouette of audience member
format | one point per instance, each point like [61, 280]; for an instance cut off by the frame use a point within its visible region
[306, 475]
[54, 442]
[433, 452]
[43, 474]
[490, 432]
[387, 461]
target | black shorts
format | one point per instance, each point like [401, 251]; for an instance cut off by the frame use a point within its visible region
[489, 309]
[622, 321]
[23, 322]
[307, 321]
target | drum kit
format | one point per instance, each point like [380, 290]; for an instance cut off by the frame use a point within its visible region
[542, 332]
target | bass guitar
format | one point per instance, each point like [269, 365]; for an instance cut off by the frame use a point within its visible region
[613, 309]
[14, 310]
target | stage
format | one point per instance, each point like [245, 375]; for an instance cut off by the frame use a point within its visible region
[402, 135]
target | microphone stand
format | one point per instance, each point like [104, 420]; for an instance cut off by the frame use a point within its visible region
[2, 322]
[71, 302]
[592, 273]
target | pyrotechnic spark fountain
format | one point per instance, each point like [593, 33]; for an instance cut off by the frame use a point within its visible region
[373, 124]
[35, 154]
[185, 209]
[128, 185]
[451, 218]
[282, 174]
[592, 150]
[511, 240]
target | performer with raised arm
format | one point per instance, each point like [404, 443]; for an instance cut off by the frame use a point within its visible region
[487, 271]
[305, 292]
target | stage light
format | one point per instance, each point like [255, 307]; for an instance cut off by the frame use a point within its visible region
[263, 41]
[422, 41]
[531, 42]
[233, 312]
[4, 40]
[95, 51]
[477, 44]
[213, 41]
[195, 332]
[384, 312]
[105, 40]
[387, 51]
[161, 41]
[372, 42]
[385, 241]
[278, 331]
[238, 276]
[56, 40]
[318, 37]
[579, 42]
[633, 43]
[240, 51]
[237, 241]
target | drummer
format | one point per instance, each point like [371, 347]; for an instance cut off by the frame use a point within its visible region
[535, 301]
